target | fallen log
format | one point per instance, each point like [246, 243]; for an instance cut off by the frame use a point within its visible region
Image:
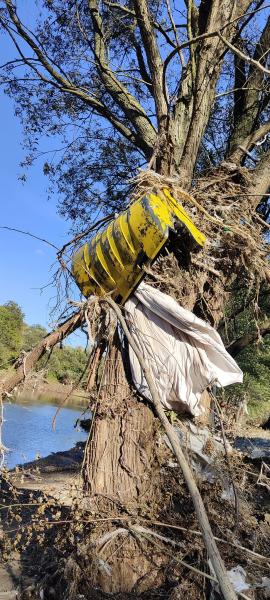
[27, 361]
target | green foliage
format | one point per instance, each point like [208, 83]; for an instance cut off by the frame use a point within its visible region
[255, 362]
[66, 364]
[11, 332]
[99, 139]
[245, 312]
[32, 334]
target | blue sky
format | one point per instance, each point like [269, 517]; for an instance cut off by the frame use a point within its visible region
[25, 263]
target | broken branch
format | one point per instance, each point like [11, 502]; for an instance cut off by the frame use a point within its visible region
[70, 325]
[245, 57]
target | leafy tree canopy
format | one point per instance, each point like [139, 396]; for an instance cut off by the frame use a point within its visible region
[11, 332]
[66, 364]
[32, 334]
[112, 83]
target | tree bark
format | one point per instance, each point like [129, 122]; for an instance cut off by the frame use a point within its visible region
[249, 84]
[250, 338]
[119, 475]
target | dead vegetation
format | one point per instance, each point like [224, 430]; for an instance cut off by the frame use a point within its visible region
[223, 209]
[64, 548]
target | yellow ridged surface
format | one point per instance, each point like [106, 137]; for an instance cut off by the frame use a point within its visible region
[112, 262]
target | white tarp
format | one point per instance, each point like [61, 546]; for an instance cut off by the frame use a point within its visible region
[183, 353]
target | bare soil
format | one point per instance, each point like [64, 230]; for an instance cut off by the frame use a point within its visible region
[46, 538]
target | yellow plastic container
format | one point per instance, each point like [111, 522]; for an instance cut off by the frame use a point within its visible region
[112, 262]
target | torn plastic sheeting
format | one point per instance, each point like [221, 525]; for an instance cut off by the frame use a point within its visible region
[183, 353]
[237, 576]
[254, 448]
[265, 585]
[196, 439]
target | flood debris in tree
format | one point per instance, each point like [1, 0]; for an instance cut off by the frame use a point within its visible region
[59, 552]
[180, 90]
[126, 488]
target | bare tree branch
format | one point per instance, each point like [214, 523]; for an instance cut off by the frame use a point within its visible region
[204, 36]
[145, 136]
[244, 56]
[127, 102]
[11, 381]
[260, 184]
[240, 89]
[142, 66]
[174, 29]
[190, 8]
[129, 11]
[30, 235]
[121, 7]
[249, 142]
[208, 65]
[249, 338]
[247, 101]
[220, 17]
[153, 58]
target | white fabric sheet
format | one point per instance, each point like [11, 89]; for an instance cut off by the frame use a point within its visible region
[183, 353]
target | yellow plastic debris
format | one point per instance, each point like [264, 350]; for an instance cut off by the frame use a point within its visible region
[112, 262]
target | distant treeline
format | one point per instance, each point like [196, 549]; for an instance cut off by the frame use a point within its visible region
[65, 364]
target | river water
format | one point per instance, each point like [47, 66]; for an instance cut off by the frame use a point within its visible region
[28, 433]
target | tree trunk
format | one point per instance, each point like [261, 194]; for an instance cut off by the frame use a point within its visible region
[120, 477]
[121, 470]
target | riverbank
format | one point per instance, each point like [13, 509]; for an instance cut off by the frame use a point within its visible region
[42, 499]
[43, 536]
[52, 389]
[56, 475]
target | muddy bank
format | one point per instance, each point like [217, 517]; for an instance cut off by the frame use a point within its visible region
[57, 467]
[44, 505]
[56, 475]
[51, 389]
[54, 479]
[68, 460]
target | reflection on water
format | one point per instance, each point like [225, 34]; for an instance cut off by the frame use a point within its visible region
[27, 430]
